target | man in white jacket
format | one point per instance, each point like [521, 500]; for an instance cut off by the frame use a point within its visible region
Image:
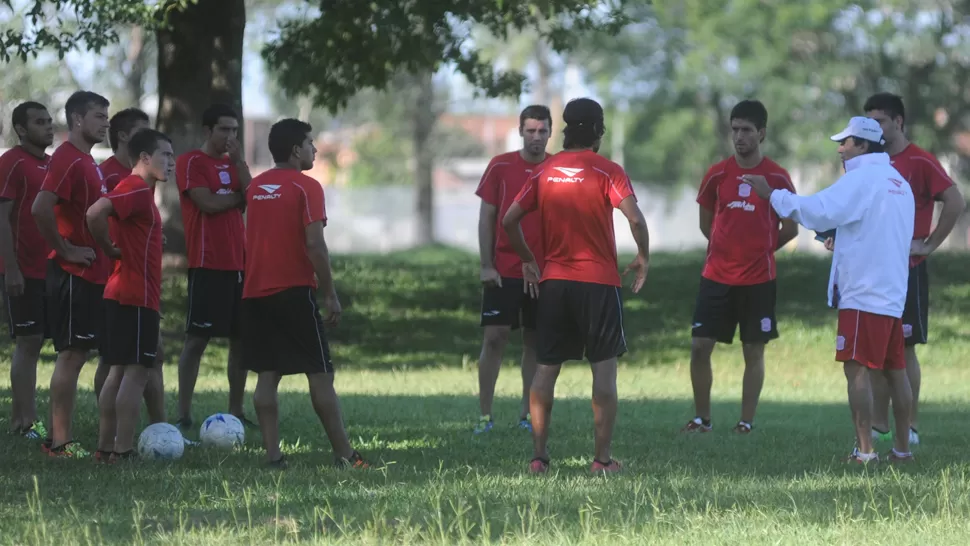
[871, 207]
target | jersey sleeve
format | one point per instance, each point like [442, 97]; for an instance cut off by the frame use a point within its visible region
[619, 188]
[528, 196]
[937, 181]
[314, 203]
[128, 202]
[10, 178]
[837, 205]
[488, 187]
[707, 194]
[781, 180]
[60, 178]
[192, 175]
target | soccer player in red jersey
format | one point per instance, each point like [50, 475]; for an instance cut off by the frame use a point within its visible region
[122, 126]
[580, 309]
[132, 293]
[930, 184]
[77, 270]
[737, 287]
[24, 252]
[212, 182]
[505, 307]
[283, 332]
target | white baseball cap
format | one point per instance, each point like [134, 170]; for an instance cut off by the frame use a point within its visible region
[861, 127]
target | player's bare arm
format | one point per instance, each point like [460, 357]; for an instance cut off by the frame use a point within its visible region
[638, 226]
[319, 254]
[234, 149]
[512, 224]
[953, 207]
[789, 230]
[706, 221]
[487, 219]
[211, 203]
[43, 212]
[13, 277]
[97, 220]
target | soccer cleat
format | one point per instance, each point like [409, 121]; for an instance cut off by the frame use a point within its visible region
[913, 437]
[188, 442]
[538, 466]
[610, 467]
[880, 436]
[35, 431]
[743, 428]
[355, 461]
[102, 456]
[72, 450]
[184, 423]
[697, 425]
[278, 464]
[246, 422]
[896, 457]
[129, 455]
[862, 458]
[485, 424]
[526, 423]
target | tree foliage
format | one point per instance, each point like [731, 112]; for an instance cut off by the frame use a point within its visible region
[351, 45]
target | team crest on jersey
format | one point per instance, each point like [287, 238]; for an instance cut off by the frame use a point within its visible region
[744, 190]
[104, 189]
[224, 178]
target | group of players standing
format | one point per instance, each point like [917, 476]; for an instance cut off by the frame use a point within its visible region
[737, 287]
[82, 248]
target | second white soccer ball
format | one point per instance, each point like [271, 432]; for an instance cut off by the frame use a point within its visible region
[222, 430]
[161, 441]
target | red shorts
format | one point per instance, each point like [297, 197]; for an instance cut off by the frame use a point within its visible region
[872, 340]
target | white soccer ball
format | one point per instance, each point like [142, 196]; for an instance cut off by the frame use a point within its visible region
[161, 441]
[222, 430]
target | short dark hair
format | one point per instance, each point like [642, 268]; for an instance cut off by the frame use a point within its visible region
[81, 101]
[537, 112]
[19, 116]
[123, 122]
[145, 141]
[584, 123]
[752, 111]
[891, 104]
[211, 115]
[284, 135]
[874, 147]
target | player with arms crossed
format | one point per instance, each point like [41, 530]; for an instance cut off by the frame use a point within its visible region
[77, 270]
[122, 126]
[872, 207]
[737, 287]
[505, 306]
[930, 184]
[133, 292]
[212, 184]
[287, 255]
[24, 253]
[580, 310]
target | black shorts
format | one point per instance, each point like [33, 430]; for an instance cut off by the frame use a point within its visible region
[214, 299]
[27, 313]
[75, 310]
[131, 335]
[916, 313]
[577, 319]
[721, 308]
[283, 333]
[508, 305]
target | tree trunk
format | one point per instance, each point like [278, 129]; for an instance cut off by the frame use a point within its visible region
[424, 121]
[135, 59]
[199, 63]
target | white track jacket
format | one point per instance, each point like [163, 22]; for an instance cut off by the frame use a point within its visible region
[871, 206]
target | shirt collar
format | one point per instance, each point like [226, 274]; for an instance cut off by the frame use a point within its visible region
[880, 158]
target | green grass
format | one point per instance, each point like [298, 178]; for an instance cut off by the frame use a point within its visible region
[406, 356]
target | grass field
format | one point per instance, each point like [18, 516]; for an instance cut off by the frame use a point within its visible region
[407, 352]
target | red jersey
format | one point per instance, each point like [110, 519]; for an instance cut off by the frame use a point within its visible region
[137, 276]
[113, 172]
[928, 179]
[21, 177]
[744, 235]
[213, 241]
[280, 204]
[76, 180]
[575, 194]
[502, 181]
